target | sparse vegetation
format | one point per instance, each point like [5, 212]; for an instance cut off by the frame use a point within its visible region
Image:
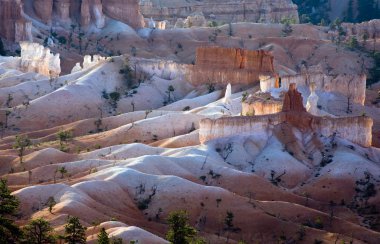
[22, 142]
[9, 232]
[38, 231]
[64, 136]
[180, 232]
[75, 232]
[103, 237]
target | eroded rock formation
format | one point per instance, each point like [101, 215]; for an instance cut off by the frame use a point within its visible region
[312, 101]
[293, 100]
[194, 20]
[229, 65]
[261, 104]
[36, 58]
[370, 28]
[126, 11]
[355, 129]
[13, 25]
[352, 86]
[87, 12]
[221, 10]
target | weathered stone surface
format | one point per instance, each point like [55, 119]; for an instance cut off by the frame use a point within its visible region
[43, 10]
[229, 65]
[261, 104]
[13, 25]
[355, 129]
[293, 100]
[194, 20]
[36, 58]
[83, 13]
[221, 10]
[126, 11]
[352, 86]
[312, 101]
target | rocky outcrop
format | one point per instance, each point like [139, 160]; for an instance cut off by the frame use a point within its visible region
[194, 20]
[36, 58]
[126, 11]
[312, 101]
[370, 28]
[13, 25]
[351, 86]
[293, 100]
[261, 104]
[229, 65]
[355, 129]
[221, 10]
[43, 10]
[87, 12]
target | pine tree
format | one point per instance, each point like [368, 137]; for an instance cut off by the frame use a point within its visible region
[22, 142]
[9, 232]
[180, 232]
[103, 237]
[74, 232]
[38, 231]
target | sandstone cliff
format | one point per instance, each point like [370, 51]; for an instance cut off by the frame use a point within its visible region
[13, 25]
[86, 12]
[351, 86]
[221, 10]
[126, 11]
[354, 129]
[261, 104]
[229, 65]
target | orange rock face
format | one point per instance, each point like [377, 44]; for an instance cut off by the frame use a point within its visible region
[127, 11]
[229, 65]
[293, 100]
[13, 26]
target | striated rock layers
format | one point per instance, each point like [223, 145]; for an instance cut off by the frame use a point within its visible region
[261, 104]
[229, 65]
[351, 86]
[13, 25]
[355, 129]
[36, 58]
[126, 11]
[87, 12]
[371, 29]
[262, 11]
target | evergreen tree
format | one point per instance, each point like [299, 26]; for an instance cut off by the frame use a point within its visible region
[22, 142]
[74, 232]
[38, 231]
[103, 237]
[180, 232]
[9, 232]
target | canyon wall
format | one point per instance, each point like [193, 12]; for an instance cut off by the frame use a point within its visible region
[371, 28]
[126, 11]
[355, 129]
[86, 12]
[13, 25]
[229, 65]
[225, 11]
[352, 86]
